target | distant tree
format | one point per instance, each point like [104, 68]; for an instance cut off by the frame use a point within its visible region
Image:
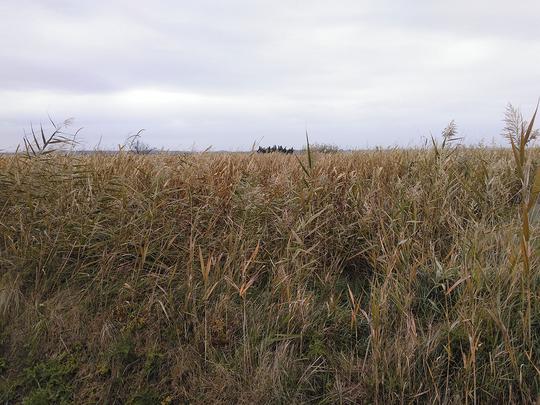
[324, 148]
[276, 149]
[135, 144]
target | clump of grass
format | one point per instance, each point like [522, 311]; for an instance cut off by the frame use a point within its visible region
[367, 277]
[46, 382]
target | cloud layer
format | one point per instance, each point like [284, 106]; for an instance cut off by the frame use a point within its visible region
[228, 73]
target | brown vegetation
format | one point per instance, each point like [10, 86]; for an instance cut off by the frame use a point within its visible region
[385, 276]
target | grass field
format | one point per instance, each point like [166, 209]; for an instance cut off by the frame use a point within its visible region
[391, 276]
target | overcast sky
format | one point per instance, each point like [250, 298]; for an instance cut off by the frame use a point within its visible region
[228, 73]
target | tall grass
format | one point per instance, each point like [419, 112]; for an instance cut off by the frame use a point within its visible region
[391, 276]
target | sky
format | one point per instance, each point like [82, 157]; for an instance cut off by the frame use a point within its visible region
[231, 73]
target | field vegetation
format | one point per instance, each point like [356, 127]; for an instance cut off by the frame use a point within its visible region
[386, 276]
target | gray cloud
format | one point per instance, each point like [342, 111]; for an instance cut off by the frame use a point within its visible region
[356, 73]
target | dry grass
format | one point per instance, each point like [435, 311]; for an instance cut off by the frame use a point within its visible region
[372, 277]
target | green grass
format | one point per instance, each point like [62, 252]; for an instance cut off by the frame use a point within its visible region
[391, 276]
